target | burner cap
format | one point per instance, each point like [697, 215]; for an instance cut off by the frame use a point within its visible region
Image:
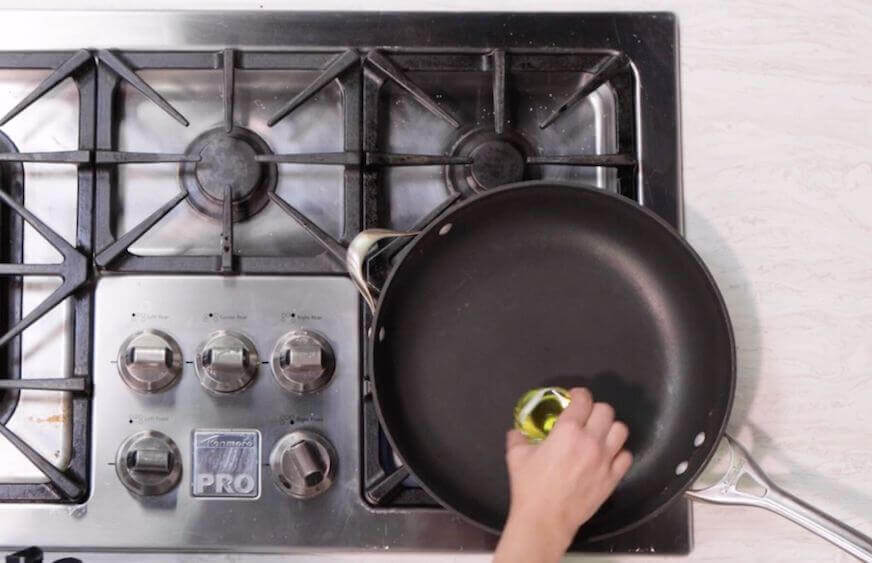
[497, 159]
[228, 158]
[495, 163]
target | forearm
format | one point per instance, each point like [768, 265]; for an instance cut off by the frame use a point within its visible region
[526, 540]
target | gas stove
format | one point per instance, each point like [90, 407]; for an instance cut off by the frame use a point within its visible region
[183, 352]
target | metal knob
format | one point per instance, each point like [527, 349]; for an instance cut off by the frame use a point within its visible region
[303, 464]
[226, 362]
[149, 361]
[303, 362]
[149, 463]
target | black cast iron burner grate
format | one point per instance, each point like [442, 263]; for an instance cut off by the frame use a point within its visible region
[220, 172]
[484, 156]
[71, 484]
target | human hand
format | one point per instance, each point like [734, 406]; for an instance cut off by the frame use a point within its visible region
[557, 485]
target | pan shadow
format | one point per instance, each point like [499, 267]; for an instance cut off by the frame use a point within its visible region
[811, 478]
[736, 289]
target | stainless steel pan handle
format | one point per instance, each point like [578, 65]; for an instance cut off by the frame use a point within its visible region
[355, 258]
[771, 497]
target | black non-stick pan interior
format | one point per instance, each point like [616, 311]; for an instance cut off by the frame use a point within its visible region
[551, 285]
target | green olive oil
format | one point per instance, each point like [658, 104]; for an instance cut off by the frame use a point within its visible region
[537, 411]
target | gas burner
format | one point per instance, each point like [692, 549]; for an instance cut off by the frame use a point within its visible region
[228, 158]
[496, 159]
[58, 452]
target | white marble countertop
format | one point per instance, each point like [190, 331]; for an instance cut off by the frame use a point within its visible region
[777, 134]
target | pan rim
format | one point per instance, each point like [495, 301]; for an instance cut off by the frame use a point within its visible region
[689, 477]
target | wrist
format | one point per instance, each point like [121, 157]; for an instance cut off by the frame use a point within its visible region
[531, 539]
[544, 522]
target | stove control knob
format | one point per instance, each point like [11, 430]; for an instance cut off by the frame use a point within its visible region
[303, 362]
[303, 464]
[149, 361]
[149, 463]
[226, 362]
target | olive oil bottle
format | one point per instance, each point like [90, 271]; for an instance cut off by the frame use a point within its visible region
[537, 411]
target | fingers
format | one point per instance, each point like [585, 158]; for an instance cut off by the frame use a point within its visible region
[514, 439]
[581, 394]
[601, 417]
[616, 437]
[621, 464]
[579, 408]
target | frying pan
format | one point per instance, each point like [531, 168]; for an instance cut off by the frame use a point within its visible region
[538, 284]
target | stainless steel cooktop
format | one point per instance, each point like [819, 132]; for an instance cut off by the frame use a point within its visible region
[182, 352]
